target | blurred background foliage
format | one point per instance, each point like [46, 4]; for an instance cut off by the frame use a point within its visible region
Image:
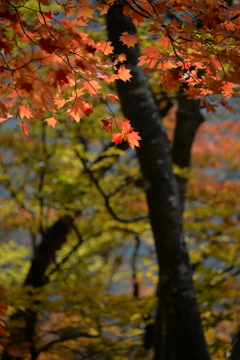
[100, 294]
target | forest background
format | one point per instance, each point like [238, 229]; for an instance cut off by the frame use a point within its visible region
[80, 269]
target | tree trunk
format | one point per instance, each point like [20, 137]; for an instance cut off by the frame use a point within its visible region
[189, 118]
[179, 334]
[235, 354]
[52, 241]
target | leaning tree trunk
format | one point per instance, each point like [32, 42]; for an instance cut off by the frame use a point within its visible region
[52, 241]
[179, 334]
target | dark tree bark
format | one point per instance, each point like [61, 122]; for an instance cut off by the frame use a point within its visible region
[44, 254]
[179, 334]
[235, 354]
[52, 241]
[189, 118]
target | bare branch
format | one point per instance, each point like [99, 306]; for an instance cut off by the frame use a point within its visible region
[106, 197]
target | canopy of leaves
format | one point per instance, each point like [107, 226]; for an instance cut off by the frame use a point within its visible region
[51, 64]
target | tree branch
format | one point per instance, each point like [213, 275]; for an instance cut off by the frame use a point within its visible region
[106, 197]
[70, 335]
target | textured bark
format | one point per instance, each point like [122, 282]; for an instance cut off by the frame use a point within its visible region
[179, 334]
[52, 241]
[189, 118]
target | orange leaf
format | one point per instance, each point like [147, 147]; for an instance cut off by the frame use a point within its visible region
[25, 128]
[227, 106]
[132, 138]
[3, 108]
[121, 58]
[164, 42]
[228, 89]
[209, 107]
[124, 74]
[129, 135]
[24, 110]
[117, 138]
[103, 8]
[91, 86]
[113, 97]
[52, 121]
[128, 39]
[105, 47]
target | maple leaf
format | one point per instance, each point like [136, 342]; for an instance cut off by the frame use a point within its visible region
[124, 74]
[152, 54]
[132, 138]
[49, 45]
[92, 86]
[117, 138]
[85, 9]
[4, 44]
[59, 101]
[25, 128]
[77, 110]
[120, 58]
[105, 47]
[88, 111]
[227, 106]
[52, 121]
[228, 89]
[128, 39]
[107, 125]
[164, 42]
[24, 110]
[61, 76]
[209, 107]
[113, 97]
[103, 8]
[127, 133]
[4, 109]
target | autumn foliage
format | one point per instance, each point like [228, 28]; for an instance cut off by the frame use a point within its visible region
[57, 67]
[50, 65]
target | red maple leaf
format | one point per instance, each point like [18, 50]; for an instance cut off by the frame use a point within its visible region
[61, 76]
[25, 128]
[128, 134]
[107, 125]
[117, 138]
[88, 111]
